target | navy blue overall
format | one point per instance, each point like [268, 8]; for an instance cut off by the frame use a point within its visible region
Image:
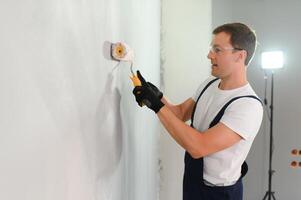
[193, 185]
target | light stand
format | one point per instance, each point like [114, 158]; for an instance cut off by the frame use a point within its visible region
[271, 60]
[270, 194]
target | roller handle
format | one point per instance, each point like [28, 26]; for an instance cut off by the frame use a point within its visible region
[136, 82]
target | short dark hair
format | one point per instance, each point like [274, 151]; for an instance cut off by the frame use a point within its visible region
[241, 37]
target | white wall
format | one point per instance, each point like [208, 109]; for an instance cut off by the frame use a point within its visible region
[185, 40]
[277, 26]
[69, 126]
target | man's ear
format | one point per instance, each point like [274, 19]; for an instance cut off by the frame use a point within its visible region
[242, 56]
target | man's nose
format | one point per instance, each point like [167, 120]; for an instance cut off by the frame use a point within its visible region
[210, 55]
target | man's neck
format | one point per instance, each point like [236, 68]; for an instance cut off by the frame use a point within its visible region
[231, 83]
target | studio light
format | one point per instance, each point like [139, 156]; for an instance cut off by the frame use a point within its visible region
[272, 60]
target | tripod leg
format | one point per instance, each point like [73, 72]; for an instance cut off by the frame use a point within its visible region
[265, 196]
[273, 196]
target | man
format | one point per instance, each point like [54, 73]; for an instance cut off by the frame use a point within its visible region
[225, 115]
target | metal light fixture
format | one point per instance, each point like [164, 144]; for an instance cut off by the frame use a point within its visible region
[270, 61]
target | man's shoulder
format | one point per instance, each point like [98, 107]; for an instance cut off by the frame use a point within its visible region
[244, 96]
[249, 91]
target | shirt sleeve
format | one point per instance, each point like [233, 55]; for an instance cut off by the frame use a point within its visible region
[244, 117]
[201, 87]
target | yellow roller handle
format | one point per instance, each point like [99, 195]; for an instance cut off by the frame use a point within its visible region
[136, 81]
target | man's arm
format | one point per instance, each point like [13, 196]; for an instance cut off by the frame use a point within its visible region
[182, 111]
[198, 145]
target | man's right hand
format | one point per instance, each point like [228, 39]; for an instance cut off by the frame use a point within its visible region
[146, 95]
[157, 92]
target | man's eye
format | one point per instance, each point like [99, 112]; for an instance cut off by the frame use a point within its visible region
[217, 50]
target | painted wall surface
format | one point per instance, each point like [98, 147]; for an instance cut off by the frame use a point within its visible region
[186, 37]
[70, 128]
[277, 26]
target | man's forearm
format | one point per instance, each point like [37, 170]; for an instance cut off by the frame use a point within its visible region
[185, 136]
[183, 111]
[173, 108]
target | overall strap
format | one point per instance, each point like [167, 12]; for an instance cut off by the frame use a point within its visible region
[222, 111]
[194, 108]
[244, 167]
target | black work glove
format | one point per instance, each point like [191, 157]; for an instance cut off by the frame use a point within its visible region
[158, 93]
[145, 95]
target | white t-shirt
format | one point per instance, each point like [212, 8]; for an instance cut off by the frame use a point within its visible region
[243, 116]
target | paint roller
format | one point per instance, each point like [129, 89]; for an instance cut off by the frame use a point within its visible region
[122, 52]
